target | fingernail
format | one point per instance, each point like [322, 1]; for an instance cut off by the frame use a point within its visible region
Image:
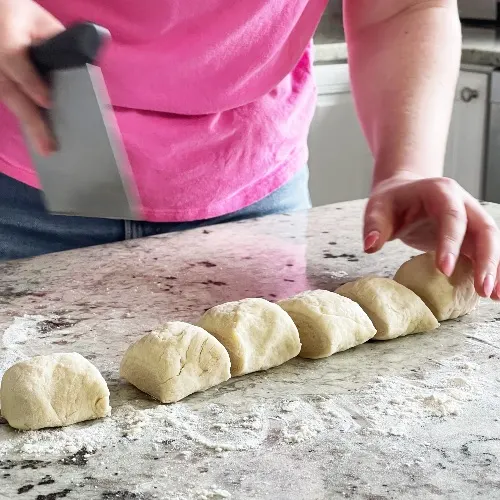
[448, 264]
[43, 100]
[47, 147]
[488, 285]
[42, 150]
[371, 240]
[51, 144]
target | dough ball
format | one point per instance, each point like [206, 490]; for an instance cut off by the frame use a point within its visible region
[394, 309]
[175, 361]
[327, 322]
[447, 298]
[52, 391]
[257, 334]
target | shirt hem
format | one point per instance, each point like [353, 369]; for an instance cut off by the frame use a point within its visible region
[25, 175]
[243, 199]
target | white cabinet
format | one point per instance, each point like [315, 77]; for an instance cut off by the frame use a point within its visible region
[465, 155]
[339, 157]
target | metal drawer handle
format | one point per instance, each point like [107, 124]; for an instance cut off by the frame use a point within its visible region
[467, 94]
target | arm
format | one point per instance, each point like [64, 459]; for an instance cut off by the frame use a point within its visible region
[404, 59]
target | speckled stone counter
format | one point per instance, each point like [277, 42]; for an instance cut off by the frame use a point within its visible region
[416, 417]
[480, 46]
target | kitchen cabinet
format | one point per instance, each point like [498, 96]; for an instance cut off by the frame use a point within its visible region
[465, 155]
[340, 160]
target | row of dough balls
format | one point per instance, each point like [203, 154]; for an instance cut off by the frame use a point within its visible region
[241, 337]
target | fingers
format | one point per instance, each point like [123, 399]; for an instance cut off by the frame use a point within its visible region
[487, 258]
[21, 87]
[486, 238]
[28, 113]
[451, 215]
[18, 68]
[496, 291]
[460, 216]
[21, 28]
[47, 25]
[378, 223]
[462, 227]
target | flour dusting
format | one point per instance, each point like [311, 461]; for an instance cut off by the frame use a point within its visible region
[209, 431]
[20, 330]
[212, 494]
[390, 406]
[397, 404]
[15, 335]
[440, 405]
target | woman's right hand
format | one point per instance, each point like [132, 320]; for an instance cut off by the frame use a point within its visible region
[22, 23]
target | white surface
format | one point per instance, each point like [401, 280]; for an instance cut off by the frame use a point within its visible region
[479, 38]
[340, 161]
[465, 155]
[478, 9]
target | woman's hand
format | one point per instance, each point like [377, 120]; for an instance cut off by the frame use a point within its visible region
[435, 214]
[23, 22]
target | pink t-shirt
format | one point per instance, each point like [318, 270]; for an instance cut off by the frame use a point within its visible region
[213, 98]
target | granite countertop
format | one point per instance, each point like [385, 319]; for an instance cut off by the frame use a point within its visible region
[481, 45]
[417, 417]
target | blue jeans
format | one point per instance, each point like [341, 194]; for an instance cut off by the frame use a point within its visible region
[26, 229]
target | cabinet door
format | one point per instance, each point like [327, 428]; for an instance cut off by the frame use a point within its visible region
[465, 155]
[339, 159]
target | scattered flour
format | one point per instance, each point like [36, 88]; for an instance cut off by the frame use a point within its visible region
[290, 406]
[304, 420]
[212, 494]
[405, 401]
[440, 405]
[60, 441]
[133, 422]
[389, 406]
[20, 330]
[338, 274]
[303, 433]
[226, 431]
[15, 335]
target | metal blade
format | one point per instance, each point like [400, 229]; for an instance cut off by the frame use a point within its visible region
[89, 175]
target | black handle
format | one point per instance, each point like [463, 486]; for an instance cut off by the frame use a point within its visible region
[76, 46]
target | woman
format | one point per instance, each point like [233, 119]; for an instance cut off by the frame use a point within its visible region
[214, 99]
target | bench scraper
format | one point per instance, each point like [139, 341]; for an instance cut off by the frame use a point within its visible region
[89, 174]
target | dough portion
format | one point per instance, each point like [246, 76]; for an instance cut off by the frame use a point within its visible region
[53, 391]
[257, 334]
[175, 361]
[327, 322]
[394, 309]
[447, 298]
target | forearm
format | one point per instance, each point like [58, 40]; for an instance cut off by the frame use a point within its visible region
[404, 59]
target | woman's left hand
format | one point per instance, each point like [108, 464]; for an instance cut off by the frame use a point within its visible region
[435, 214]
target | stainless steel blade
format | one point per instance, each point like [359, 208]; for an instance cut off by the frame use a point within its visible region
[89, 175]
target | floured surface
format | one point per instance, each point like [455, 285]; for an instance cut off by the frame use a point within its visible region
[413, 417]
